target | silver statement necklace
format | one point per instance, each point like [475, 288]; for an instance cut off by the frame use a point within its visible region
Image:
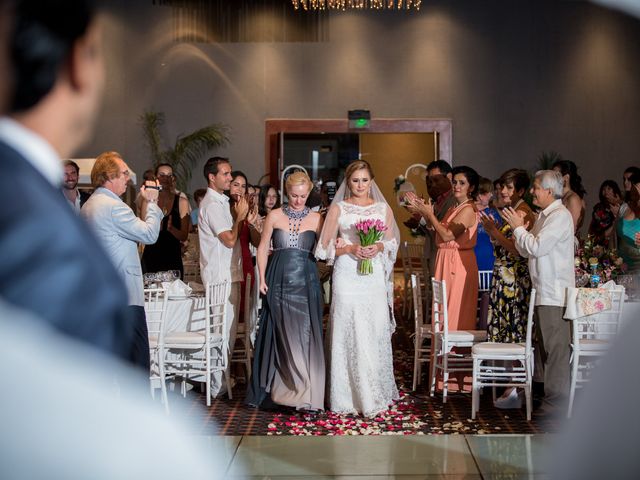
[295, 220]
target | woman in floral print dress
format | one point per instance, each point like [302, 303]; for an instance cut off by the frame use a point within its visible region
[511, 283]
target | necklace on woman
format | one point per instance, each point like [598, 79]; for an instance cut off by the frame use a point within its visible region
[295, 221]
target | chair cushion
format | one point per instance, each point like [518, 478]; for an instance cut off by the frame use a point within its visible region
[494, 348]
[467, 335]
[594, 345]
[195, 339]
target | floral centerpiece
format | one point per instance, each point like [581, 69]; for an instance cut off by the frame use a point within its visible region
[595, 263]
[370, 231]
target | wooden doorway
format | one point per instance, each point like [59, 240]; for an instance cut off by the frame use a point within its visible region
[274, 128]
[390, 146]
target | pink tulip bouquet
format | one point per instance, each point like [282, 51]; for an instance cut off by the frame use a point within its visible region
[370, 231]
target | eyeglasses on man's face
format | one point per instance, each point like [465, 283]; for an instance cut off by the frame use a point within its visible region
[165, 175]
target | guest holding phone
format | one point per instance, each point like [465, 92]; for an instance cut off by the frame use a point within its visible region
[166, 253]
[119, 231]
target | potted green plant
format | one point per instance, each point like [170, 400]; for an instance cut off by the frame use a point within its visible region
[187, 150]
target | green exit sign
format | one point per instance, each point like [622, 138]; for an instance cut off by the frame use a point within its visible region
[359, 123]
[359, 119]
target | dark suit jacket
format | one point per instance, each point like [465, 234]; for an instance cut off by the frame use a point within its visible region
[84, 196]
[52, 265]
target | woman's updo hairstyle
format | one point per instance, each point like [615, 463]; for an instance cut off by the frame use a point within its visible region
[298, 178]
[567, 167]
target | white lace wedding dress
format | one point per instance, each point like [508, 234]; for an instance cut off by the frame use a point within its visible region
[360, 360]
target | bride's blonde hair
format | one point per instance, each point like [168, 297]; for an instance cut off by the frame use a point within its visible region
[298, 178]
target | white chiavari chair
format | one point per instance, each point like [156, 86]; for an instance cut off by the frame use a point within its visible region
[504, 365]
[444, 340]
[592, 336]
[422, 329]
[155, 308]
[484, 286]
[411, 255]
[205, 350]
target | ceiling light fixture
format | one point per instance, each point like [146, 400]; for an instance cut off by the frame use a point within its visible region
[357, 4]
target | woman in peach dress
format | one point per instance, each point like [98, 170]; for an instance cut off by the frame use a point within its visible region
[455, 259]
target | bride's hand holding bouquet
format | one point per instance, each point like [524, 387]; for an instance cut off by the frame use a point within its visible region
[370, 232]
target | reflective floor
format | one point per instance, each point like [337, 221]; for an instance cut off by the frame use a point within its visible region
[384, 457]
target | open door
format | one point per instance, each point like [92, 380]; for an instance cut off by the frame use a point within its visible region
[389, 155]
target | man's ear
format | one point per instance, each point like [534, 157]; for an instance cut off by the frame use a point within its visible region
[450, 176]
[84, 58]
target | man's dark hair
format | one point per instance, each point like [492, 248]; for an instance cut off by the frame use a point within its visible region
[212, 165]
[73, 164]
[441, 165]
[43, 37]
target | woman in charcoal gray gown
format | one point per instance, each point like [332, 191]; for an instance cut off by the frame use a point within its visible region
[288, 365]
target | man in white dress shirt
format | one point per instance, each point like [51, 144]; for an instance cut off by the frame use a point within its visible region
[119, 230]
[219, 235]
[550, 249]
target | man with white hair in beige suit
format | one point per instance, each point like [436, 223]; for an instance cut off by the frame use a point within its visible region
[119, 230]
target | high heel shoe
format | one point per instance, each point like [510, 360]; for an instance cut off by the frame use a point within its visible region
[513, 400]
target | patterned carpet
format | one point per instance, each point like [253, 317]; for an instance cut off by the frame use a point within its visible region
[414, 414]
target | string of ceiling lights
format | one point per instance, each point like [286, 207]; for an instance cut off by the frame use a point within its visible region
[312, 5]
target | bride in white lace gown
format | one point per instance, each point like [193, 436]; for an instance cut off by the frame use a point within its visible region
[361, 378]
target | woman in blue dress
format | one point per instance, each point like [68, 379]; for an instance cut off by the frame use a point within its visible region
[484, 247]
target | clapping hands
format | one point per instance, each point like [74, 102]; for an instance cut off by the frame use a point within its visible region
[418, 205]
[241, 208]
[515, 218]
[252, 215]
[488, 222]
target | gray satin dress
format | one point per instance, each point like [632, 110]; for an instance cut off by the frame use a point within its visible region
[288, 363]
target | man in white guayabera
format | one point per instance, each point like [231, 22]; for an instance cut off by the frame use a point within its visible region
[549, 248]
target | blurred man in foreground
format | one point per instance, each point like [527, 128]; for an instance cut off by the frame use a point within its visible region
[51, 264]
